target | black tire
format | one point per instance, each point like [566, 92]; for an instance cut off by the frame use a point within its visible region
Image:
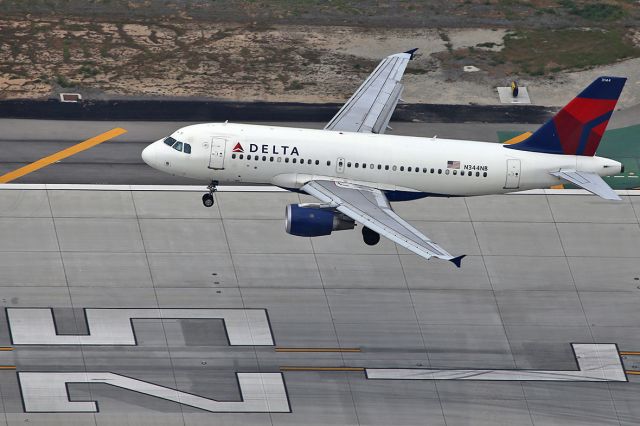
[207, 200]
[371, 238]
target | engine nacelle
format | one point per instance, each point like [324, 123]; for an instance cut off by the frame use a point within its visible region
[315, 222]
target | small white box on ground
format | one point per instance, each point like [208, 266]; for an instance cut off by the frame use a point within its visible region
[506, 96]
[70, 97]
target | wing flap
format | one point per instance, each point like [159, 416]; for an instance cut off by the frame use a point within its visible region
[370, 207]
[372, 105]
[589, 181]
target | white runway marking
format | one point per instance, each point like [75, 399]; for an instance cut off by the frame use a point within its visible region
[48, 392]
[35, 326]
[596, 363]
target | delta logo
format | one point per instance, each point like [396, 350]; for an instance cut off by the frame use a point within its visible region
[267, 149]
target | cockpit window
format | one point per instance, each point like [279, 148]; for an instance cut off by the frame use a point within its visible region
[187, 148]
[177, 146]
[169, 141]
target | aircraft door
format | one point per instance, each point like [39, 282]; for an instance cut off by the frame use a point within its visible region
[513, 174]
[340, 165]
[218, 149]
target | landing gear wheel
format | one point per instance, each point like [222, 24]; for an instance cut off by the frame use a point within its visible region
[371, 238]
[207, 200]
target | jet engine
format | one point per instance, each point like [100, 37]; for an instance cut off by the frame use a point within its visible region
[315, 221]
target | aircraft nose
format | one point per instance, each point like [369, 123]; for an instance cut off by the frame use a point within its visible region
[149, 154]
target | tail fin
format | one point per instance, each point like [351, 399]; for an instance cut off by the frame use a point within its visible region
[579, 126]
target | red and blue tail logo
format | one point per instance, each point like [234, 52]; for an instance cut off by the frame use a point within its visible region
[579, 126]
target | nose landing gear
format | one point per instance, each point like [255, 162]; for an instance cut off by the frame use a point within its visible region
[207, 199]
[371, 238]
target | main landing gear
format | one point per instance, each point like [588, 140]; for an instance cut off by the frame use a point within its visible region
[207, 199]
[371, 238]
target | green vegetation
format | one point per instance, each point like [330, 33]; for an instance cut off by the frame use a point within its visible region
[66, 53]
[88, 70]
[536, 52]
[63, 81]
[594, 11]
[294, 85]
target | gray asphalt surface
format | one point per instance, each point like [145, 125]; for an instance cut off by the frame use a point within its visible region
[118, 161]
[542, 272]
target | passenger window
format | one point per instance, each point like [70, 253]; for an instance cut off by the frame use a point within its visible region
[455, 172]
[286, 159]
[271, 159]
[394, 168]
[484, 174]
[424, 170]
[187, 148]
[232, 156]
[169, 141]
[402, 168]
[364, 165]
[264, 158]
[328, 163]
[477, 174]
[301, 161]
[241, 156]
[248, 157]
[371, 166]
[317, 162]
[177, 146]
[356, 165]
[386, 167]
[349, 164]
[408, 169]
[432, 170]
[379, 166]
[446, 172]
[309, 161]
[417, 169]
[294, 160]
[439, 171]
[279, 159]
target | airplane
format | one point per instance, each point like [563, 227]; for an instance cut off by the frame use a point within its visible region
[355, 170]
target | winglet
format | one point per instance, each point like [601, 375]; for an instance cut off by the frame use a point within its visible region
[457, 260]
[412, 52]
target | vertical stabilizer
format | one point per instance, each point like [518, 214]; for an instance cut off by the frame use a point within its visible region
[578, 127]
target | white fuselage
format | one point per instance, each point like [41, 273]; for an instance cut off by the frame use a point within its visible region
[428, 166]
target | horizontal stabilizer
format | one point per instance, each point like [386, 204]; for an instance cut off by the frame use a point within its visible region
[457, 260]
[589, 181]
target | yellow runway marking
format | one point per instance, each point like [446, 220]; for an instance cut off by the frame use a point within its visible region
[7, 367]
[5, 348]
[518, 138]
[318, 350]
[321, 368]
[60, 155]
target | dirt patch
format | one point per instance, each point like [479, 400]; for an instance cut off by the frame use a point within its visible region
[40, 57]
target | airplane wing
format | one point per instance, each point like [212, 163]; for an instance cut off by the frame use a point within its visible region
[589, 181]
[370, 207]
[371, 106]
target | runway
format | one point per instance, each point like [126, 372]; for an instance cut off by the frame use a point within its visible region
[156, 299]
[118, 161]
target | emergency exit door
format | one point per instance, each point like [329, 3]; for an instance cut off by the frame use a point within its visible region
[513, 174]
[218, 149]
